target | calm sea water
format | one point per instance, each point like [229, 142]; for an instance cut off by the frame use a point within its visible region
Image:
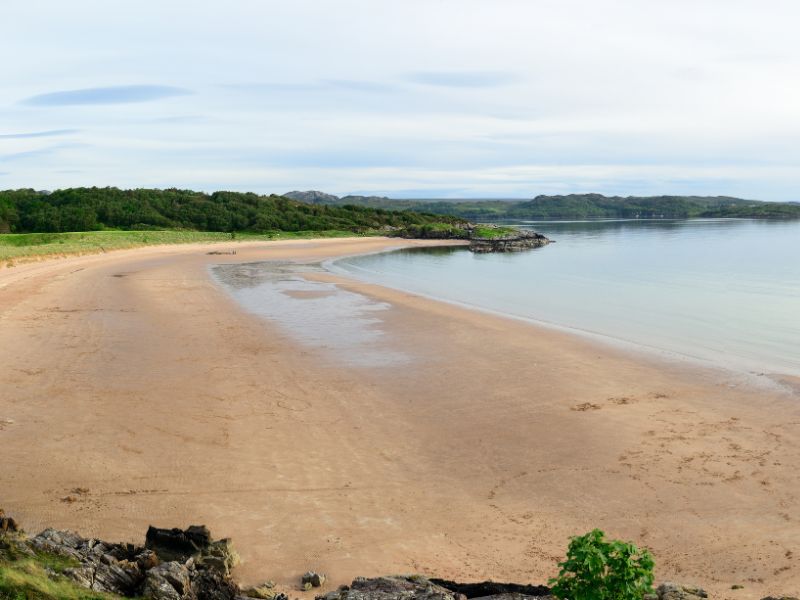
[725, 292]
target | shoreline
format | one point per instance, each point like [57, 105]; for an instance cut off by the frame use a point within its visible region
[774, 381]
[309, 464]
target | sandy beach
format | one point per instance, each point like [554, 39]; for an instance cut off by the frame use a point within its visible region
[134, 390]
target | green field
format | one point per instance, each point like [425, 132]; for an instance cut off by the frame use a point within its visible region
[22, 247]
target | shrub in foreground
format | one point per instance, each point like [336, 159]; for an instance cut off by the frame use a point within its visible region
[600, 569]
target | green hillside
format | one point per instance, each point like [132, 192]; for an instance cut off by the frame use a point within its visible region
[576, 206]
[92, 209]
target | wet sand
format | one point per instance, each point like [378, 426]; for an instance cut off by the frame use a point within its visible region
[135, 390]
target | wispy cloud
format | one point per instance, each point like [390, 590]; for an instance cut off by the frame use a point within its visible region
[37, 134]
[464, 79]
[357, 86]
[38, 153]
[181, 119]
[121, 94]
[323, 85]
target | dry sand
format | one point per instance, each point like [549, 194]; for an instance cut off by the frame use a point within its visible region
[133, 390]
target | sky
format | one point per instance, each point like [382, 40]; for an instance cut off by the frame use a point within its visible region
[405, 98]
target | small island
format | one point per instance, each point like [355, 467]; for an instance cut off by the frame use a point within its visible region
[492, 238]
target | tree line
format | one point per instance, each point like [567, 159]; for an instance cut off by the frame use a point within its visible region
[90, 209]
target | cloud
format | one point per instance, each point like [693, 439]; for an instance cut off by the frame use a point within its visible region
[447, 93]
[181, 119]
[464, 79]
[357, 86]
[121, 94]
[37, 134]
[323, 85]
[38, 153]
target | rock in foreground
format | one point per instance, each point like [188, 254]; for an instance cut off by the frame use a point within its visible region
[412, 588]
[192, 566]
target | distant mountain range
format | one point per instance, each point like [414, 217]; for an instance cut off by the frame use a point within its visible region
[571, 206]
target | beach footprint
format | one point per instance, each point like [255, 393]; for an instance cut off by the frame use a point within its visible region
[586, 406]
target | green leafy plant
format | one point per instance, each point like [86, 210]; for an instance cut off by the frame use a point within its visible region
[597, 569]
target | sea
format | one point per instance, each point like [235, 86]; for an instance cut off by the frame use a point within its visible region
[718, 292]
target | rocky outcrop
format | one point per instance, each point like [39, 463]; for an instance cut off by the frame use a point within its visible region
[174, 564]
[492, 588]
[178, 544]
[419, 588]
[516, 241]
[676, 591]
[188, 564]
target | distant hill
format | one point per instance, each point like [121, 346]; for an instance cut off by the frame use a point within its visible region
[317, 197]
[312, 197]
[650, 207]
[583, 206]
[88, 209]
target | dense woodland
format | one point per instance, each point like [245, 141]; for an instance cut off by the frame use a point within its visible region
[575, 206]
[90, 209]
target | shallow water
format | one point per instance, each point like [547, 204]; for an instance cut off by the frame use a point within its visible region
[720, 291]
[345, 325]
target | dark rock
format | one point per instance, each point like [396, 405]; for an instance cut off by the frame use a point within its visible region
[313, 579]
[178, 544]
[780, 598]
[201, 573]
[515, 596]
[146, 560]
[211, 585]
[484, 589]
[113, 568]
[62, 543]
[676, 591]
[392, 588]
[7, 524]
[168, 581]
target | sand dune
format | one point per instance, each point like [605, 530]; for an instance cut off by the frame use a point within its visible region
[134, 390]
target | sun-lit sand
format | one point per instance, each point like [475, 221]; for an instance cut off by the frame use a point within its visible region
[134, 390]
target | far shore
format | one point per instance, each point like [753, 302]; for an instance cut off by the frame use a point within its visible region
[135, 391]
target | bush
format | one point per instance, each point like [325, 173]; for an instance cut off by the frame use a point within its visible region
[596, 569]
